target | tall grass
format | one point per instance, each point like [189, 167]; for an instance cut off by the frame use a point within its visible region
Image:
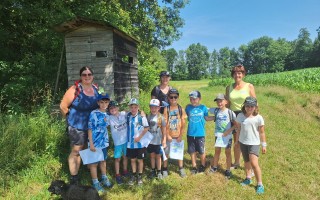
[302, 80]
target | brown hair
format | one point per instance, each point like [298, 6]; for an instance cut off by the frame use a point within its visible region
[255, 112]
[238, 68]
[85, 68]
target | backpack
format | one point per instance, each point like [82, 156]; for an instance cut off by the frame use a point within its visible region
[179, 108]
[229, 112]
[78, 85]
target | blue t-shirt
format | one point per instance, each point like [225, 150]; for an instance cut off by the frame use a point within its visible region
[98, 122]
[197, 122]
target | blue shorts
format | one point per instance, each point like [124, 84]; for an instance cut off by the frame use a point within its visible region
[120, 150]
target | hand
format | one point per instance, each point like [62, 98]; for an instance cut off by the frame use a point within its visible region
[179, 139]
[164, 144]
[92, 148]
[137, 139]
[264, 150]
[169, 138]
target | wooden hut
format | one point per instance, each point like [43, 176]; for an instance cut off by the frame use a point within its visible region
[111, 52]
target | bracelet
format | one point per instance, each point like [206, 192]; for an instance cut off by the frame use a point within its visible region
[263, 144]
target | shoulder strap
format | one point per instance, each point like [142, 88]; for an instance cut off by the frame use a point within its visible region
[77, 84]
[159, 119]
[180, 110]
[216, 110]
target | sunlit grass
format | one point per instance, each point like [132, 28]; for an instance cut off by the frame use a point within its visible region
[290, 168]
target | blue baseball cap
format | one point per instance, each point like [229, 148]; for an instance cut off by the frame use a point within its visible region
[103, 96]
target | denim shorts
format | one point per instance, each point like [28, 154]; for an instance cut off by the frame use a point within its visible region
[120, 150]
[196, 144]
[77, 137]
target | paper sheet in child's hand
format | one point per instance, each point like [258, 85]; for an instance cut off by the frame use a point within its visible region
[89, 157]
[222, 141]
[146, 139]
[176, 149]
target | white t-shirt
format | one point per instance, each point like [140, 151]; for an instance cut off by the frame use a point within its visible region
[118, 125]
[249, 132]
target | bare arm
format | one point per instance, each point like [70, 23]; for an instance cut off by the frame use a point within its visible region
[263, 139]
[67, 101]
[252, 91]
[92, 148]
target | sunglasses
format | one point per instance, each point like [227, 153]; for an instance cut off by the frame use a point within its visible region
[173, 97]
[84, 75]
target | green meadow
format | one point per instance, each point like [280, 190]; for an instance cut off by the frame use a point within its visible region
[34, 151]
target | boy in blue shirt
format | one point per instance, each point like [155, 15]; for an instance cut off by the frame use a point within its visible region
[197, 116]
[137, 127]
[98, 138]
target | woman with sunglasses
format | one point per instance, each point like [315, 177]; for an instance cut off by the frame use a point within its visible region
[236, 93]
[160, 92]
[77, 103]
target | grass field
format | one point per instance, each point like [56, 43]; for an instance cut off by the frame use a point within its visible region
[290, 168]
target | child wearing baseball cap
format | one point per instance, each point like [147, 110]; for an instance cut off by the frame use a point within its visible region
[157, 126]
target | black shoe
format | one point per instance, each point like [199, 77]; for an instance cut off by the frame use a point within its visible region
[194, 170]
[74, 180]
[228, 174]
[201, 169]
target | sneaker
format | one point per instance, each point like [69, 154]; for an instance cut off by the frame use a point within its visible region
[235, 166]
[246, 182]
[201, 169]
[119, 180]
[125, 174]
[159, 176]
[74, 180]
[99, 188]
[106, 183]
[132, 180]
[227, 174]
[165, 174]
[194, 170]
[140, 180]
[260, 189]
[182, 173]
[213, 170]
[153, 174]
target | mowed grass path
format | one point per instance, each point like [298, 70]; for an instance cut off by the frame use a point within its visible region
[290, 168]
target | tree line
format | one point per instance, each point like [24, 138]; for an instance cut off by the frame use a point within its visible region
[262, 55]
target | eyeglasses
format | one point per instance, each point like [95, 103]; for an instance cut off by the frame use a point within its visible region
[84, 75]
[173, 97]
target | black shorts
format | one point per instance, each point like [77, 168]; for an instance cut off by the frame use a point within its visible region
[196, 144]
[136, 153]
[77, 137]
[152, 148]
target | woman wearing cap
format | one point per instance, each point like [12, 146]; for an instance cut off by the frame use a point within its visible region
[77, 103]
[160, 92]
[236, 93]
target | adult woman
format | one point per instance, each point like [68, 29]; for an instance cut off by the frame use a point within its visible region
[76, 105]
[236, 93]
[160, 92]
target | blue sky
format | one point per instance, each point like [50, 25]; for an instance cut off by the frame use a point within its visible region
[231, 23]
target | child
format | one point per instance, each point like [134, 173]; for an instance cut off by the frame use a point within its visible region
[251, 127]
[224, 118]
[175, 117]
[197, 114]
[118, 125]
[98, 138]
[157, 125]
[137, 127]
